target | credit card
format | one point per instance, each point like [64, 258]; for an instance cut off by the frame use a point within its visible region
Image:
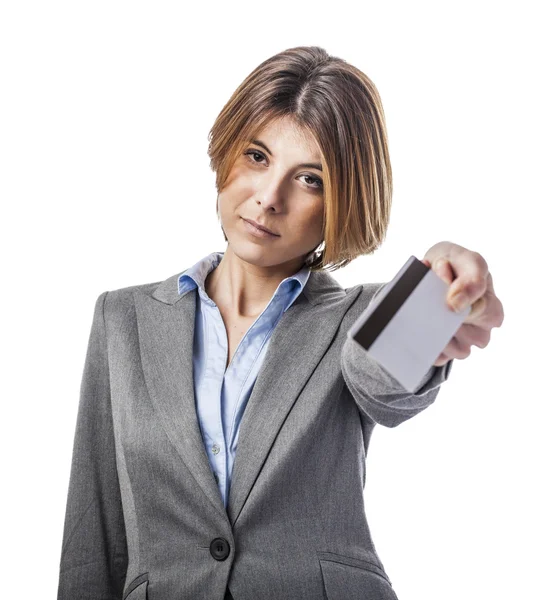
[408, 324]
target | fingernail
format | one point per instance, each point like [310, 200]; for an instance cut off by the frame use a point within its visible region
[459, 302]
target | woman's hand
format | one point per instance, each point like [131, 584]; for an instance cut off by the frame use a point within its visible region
[470, 283]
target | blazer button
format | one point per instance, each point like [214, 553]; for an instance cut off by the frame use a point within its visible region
[220, 549]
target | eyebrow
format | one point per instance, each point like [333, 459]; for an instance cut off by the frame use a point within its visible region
[304, 165]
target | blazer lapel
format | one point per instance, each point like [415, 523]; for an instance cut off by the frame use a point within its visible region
[309, 324]
[165, 323]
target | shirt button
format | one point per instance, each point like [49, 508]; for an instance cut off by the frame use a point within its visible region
[215, 449]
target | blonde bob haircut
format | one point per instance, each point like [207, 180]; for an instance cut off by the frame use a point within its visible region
[342, 109]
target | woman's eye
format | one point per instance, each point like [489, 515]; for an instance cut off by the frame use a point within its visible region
[254, 152]
[319, 183]
[316, 181]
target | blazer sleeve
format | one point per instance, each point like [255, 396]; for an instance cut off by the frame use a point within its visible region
[94, 554]
[378, 394]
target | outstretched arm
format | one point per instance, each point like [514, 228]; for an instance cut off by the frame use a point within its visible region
[377, 393]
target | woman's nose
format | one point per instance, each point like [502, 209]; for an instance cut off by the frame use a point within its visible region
[271, 191]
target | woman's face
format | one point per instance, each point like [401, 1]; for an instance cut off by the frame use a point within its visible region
[270, 184]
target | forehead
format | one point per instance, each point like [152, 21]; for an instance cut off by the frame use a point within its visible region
[286, 127]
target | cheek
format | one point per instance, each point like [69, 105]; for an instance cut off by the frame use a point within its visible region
[234, 192]
[240, 177]
[317, 217]
[309, 223]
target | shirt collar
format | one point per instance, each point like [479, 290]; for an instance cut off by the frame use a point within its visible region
[196, 275]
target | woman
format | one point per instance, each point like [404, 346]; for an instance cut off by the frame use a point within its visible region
[225, 416]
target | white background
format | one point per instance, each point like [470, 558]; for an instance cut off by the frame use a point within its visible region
[105, 183]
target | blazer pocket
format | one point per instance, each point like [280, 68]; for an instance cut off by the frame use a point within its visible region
[348, 578]
[137, 590]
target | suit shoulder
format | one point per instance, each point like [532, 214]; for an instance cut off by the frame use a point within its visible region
[127, 292]
[364, 294]
[368, 291]
[121, 300]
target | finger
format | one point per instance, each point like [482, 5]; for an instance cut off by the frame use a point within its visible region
[472, 335]
[495, 308]
[444, 270]
[455, 349]
[472, 272]
[441, 360]
[477, 310]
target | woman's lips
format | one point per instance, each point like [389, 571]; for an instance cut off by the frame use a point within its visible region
[260, 233]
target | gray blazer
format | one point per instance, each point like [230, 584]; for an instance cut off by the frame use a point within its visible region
[144, 516]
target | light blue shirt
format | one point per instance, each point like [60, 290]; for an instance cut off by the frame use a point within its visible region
[222, 394]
